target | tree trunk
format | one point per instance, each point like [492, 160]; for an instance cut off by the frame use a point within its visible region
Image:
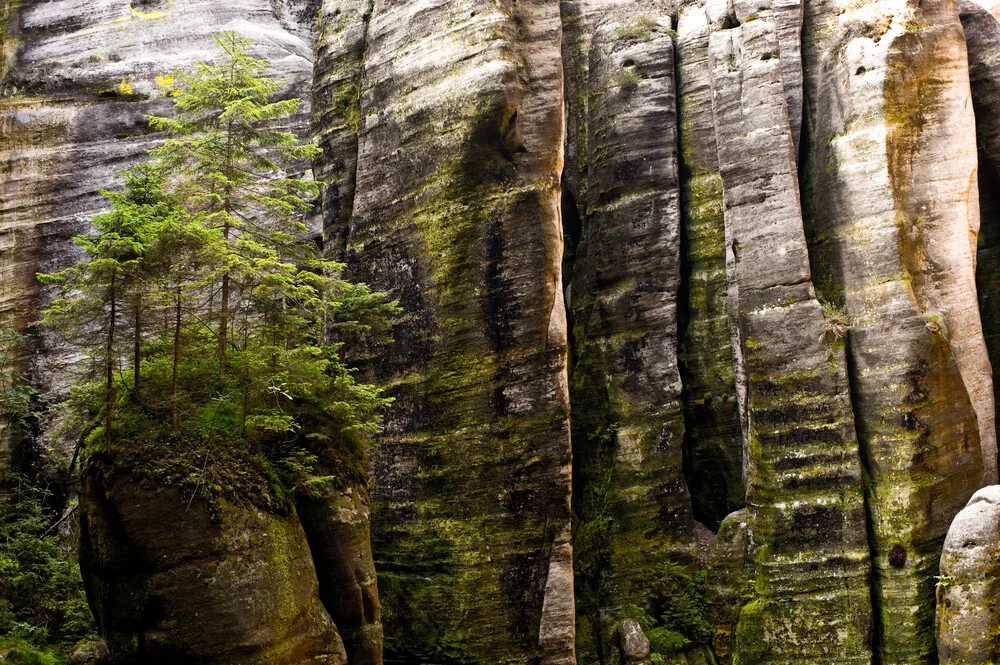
[137, 346]
[177, 357]
[110, 365]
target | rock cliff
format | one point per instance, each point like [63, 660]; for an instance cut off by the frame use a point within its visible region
[660, 263]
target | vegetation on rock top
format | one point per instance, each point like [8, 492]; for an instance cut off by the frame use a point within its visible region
[210, 323]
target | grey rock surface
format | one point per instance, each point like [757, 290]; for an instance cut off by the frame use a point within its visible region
[805, 512]
[634, 643]
[968, 619]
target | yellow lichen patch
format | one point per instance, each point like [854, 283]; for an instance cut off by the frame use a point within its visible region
[165, 84]
[125, 87]
[137, 13]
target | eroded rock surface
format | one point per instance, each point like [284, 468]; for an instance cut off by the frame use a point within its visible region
[728, 583]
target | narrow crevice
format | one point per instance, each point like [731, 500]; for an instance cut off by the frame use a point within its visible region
[988, 265]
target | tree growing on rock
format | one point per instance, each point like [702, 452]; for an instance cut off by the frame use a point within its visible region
[237, 320]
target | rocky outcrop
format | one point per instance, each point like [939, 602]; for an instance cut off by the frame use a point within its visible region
[713, 440]
[968, 620]
[171, 585]
[805, 512]
[754, 281]
[337, 527]
[456, 213]
[633, 642]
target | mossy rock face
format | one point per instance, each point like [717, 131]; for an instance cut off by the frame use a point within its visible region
[169, 582]
[729, 583]
[455, 213]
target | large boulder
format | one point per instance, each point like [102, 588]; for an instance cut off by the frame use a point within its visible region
[171, 581]
[968, 614]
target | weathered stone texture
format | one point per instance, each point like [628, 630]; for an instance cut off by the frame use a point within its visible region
[337, 527]
[968, 617]
[170, 585]
[713, 439]
[456, 213]
[890, 188]
[805, 510]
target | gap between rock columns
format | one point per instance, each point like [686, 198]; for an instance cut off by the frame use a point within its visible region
[805, 508]
[713, 434]
[981, 26]
[634, 525]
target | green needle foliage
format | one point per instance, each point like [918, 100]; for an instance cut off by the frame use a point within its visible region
[211, 320]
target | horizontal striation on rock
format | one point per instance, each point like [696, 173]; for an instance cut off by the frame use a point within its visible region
[456, 213]
[805, 512]
[887, 108]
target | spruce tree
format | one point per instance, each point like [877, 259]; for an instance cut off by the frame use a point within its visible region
[100, 298]
[229, 164]
[237, 320]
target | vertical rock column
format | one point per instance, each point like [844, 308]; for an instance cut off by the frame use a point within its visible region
[340, 48]
[456, 213]
[891, 192]
[713, 440]
[632, 500]
[805, 509]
